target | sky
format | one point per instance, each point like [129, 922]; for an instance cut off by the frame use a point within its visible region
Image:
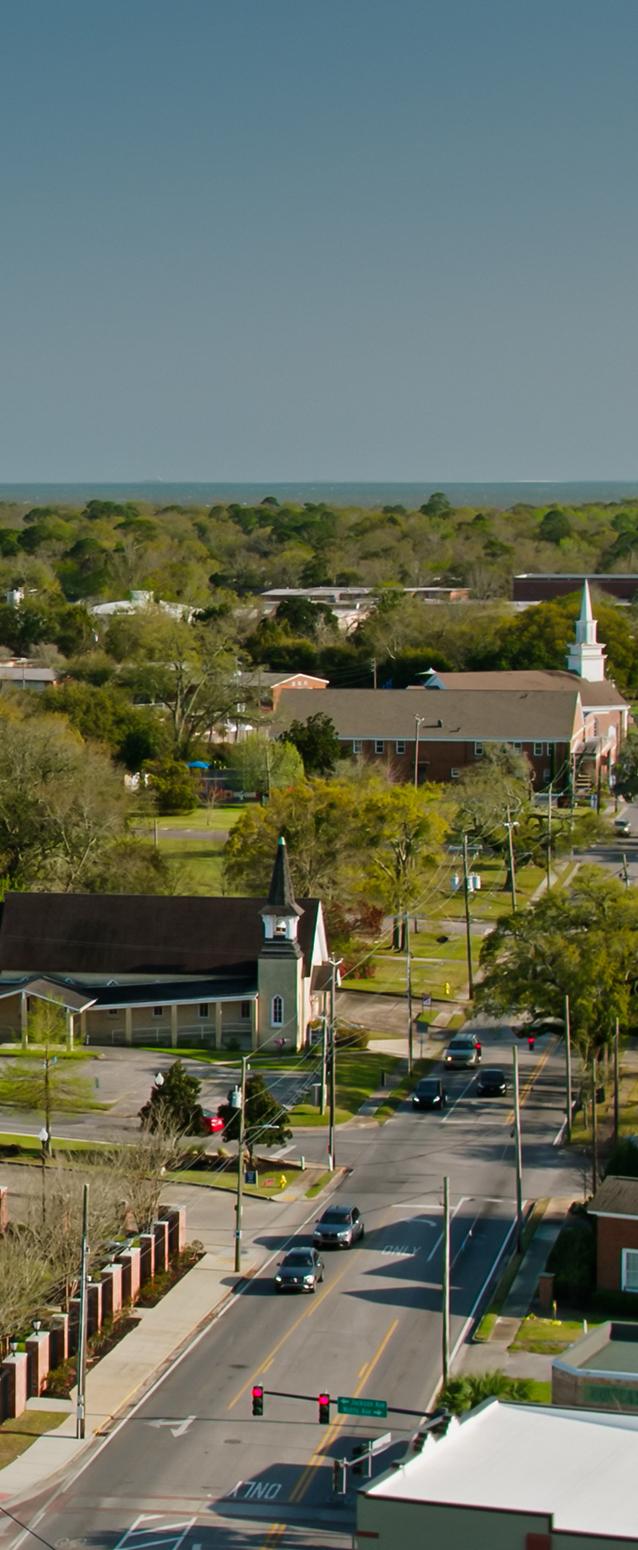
[318, 239]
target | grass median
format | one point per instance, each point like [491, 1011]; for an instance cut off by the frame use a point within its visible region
[16, 1435]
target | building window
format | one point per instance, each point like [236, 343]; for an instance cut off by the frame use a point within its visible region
[400, 745]
[245, 1009]
[112, 1011]
[158, 1011]
[478, 749]
[629, 1270]
[454, 774]
[277, 1011]
[357, 745]
[379, 745]
[547, 774]
[203, 1009]
[538, 749]
[516, 745]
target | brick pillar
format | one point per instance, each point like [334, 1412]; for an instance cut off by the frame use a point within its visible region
[160, 1233]
[176, 1218]
[4, 1208]
[131, 1259]
[58, 1339]
[74, 1324]
[93, 1307]
[38, 1352]
[147, 1257]
[17, 1367]
[111, 1291]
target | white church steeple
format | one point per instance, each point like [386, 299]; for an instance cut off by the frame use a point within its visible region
[586, 656]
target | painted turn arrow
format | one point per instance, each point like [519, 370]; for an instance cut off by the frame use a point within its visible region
[180, 1429]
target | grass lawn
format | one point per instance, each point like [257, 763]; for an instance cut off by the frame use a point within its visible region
[485, 1328]
[268, 1188]
[200, 863]
[541, 1393]
[209, 817]
[358, 1076]
[18, 1434]
[547, 1337]
[319, 1184]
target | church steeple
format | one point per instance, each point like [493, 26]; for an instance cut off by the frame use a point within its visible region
[586, 655]
[281, 912]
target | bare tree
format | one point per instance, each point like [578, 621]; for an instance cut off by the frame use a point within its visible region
[141, 1169]
[26, 1282]
[60, 1234]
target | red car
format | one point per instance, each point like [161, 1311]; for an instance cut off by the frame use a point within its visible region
[211, 1123]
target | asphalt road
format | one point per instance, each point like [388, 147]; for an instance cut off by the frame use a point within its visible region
[191, 1466]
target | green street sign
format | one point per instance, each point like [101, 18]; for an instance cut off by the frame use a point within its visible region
[347, 1406]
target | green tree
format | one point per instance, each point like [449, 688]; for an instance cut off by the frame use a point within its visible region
[173, 785]
[190, 669]
[472, 1389]
[402, 828]
[315, 818]
[317, 742]
[262, 765]
[264, 1122]
[45, 1082]
[581, 942]
[437, 505]
[626, 771]
[174, 1103]
[555, 526]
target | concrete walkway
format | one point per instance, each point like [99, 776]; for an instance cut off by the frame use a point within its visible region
[486, 1355]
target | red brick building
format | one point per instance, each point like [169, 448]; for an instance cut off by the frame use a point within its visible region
[615, 1207]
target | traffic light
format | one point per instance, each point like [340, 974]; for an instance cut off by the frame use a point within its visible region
[258, 1399]
[324, 1409]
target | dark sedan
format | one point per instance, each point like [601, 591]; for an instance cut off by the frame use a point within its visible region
[300, 1271]
[491, 1083]
[429, 1093]
[339, 1227]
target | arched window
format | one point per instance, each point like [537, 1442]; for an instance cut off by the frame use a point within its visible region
[277, 1011]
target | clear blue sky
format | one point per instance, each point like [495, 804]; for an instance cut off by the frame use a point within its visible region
[306, 239]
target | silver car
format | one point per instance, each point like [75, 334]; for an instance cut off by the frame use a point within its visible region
[339, 1227]
[462, 1051]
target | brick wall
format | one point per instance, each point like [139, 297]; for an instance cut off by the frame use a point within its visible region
[613, 1234]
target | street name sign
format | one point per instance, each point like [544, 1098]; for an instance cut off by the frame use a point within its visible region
[350, 1406]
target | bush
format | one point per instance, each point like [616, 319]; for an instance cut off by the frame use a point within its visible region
[623, 1162]
[351, 1038]
[572, 1258]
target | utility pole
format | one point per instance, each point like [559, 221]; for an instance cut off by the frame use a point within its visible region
[445, 1353]
[333, 1066]
[80, 1411]
[518, 1160]
[324, 1063]
[594, 1125]
[239, 1202]
[625, 871]
[549, 837]
[568, 1071]
[418, 721]
[616, 1080]
[468, 923]
[373, 665]
[510, 846]
[408, 986]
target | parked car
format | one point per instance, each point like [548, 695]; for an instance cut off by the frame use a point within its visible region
[429, 1093]
[339, 1227]
[463, 1050]
[211, 1124]
[491, 1083]
[622, 826]
[300, 1270]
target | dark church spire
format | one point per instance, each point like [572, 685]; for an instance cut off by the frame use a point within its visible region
[281, 897]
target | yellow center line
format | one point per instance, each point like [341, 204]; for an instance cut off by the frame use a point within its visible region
[313, 1307]
[303, 1482]
[524, 1095]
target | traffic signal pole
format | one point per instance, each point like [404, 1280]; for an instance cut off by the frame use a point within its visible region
[239, 1203]
[468, 923]
[518, 1160]
[445, 1331]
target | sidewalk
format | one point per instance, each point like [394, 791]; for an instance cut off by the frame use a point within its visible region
[485, 1355]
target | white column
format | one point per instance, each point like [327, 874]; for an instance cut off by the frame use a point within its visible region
[174, 1026]
[24, 1018]
[218, 1025]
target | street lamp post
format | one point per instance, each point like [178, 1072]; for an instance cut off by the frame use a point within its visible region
[239, 1202]
[419, 721]
[44, 1139]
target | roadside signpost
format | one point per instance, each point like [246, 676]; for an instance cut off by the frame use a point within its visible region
[350, 1406]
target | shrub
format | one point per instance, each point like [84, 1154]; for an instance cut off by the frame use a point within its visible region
[623, 1162]
[351, 1038]
[572, 1258]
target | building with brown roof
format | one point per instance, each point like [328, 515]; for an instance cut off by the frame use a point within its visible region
[615, 1207]
[224, 972]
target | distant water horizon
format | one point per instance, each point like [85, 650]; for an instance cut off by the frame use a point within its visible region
[411, 494]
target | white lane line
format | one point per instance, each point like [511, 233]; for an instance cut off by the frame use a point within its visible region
[461, 1095]
[452, 1216]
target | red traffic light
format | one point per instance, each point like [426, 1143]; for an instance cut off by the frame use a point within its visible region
[258, 1399]
[324, 1409]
